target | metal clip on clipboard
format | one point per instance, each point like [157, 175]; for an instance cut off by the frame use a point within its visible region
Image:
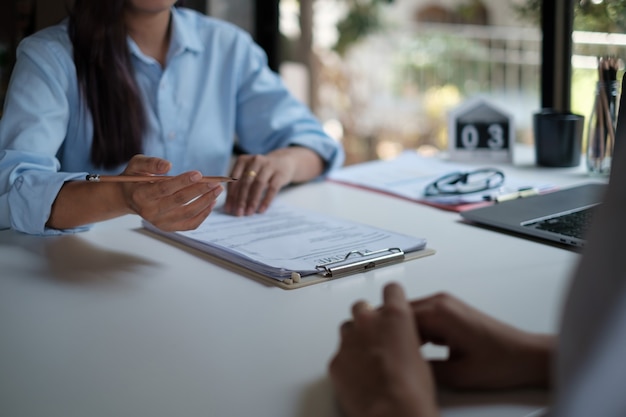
[357, 261]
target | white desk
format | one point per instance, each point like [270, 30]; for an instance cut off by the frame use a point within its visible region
[116, 322]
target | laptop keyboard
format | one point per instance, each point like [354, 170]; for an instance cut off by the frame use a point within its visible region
[574, 224]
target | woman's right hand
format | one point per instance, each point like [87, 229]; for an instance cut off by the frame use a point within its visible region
[179, 203]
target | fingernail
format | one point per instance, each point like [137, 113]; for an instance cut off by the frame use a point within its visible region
[162, 165]
[196, 176]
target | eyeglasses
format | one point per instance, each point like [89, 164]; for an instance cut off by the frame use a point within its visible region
[457, 183]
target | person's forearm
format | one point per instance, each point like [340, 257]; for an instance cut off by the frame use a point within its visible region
[79, 203]
[538, 350]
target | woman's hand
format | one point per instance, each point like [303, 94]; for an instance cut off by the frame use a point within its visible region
[179, 203]
[484, 353]
[379, 370]
[261, 177]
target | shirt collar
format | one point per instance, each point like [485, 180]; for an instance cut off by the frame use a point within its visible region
[184, 38]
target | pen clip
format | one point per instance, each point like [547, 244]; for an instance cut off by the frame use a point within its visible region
[359, 261]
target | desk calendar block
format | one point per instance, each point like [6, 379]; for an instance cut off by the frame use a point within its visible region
[479, 131]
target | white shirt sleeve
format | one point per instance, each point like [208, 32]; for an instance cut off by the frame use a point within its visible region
[591, 360]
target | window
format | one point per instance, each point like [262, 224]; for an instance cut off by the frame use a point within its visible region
[383, 74]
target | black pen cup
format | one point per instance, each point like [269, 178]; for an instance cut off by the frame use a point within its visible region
[558, 138]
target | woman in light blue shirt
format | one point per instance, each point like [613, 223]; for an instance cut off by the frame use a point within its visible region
[139, 87]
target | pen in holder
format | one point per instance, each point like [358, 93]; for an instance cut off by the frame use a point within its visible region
[603, 118]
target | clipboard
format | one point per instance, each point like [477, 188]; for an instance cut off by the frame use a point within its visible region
[292, 247]
[355, 262]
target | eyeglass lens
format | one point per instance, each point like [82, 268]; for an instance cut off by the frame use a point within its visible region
[462, 183]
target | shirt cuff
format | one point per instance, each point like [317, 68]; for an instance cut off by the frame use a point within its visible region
[30, 201]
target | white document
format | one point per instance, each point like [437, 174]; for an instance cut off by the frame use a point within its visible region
[409, 174]
[287, 239]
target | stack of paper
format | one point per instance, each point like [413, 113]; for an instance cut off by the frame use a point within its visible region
[409, 174]
[286, 239]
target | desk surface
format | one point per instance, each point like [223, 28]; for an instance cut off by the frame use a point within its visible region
[117, 322]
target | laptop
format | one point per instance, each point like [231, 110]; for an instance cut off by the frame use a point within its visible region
[561, 216]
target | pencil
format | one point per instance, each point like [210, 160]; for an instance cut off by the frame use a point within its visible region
[147, 178]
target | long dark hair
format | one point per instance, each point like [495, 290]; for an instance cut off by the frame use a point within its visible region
[106, 80]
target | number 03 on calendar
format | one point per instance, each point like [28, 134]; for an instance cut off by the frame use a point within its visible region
[479, 131]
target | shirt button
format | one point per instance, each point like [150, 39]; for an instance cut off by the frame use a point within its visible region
[171, 135]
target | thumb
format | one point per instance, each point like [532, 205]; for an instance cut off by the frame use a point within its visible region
[141, 164]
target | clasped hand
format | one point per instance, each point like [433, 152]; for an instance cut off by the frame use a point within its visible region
[379, 369]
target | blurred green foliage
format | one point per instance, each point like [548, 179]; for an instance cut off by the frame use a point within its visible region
[363, 18]
[426, 61]
[608, 16]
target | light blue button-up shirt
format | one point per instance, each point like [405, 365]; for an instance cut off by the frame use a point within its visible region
[215, 88]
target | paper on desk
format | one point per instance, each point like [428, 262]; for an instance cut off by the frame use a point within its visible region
[286, 239]
[408, 175]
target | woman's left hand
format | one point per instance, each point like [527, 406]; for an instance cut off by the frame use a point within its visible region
[261, 177]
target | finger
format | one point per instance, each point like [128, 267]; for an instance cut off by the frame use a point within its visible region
[422, 311]
[233, 187]
[345, 328]
[195, 221]
[197, 208]
[141, 164]
[190, 216]
[361, 308]
[154, 201]
[230, 197]
[243, 191]
[256, 191]
[241, 166]
[432, 323]
[246, 168]
[192, 199]
[444, 320]
[169, 187]
[422, 302]
[393, 295]
[397, 312]
[270, 193]
[151, 200]
[348, 334]
[183, 223]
